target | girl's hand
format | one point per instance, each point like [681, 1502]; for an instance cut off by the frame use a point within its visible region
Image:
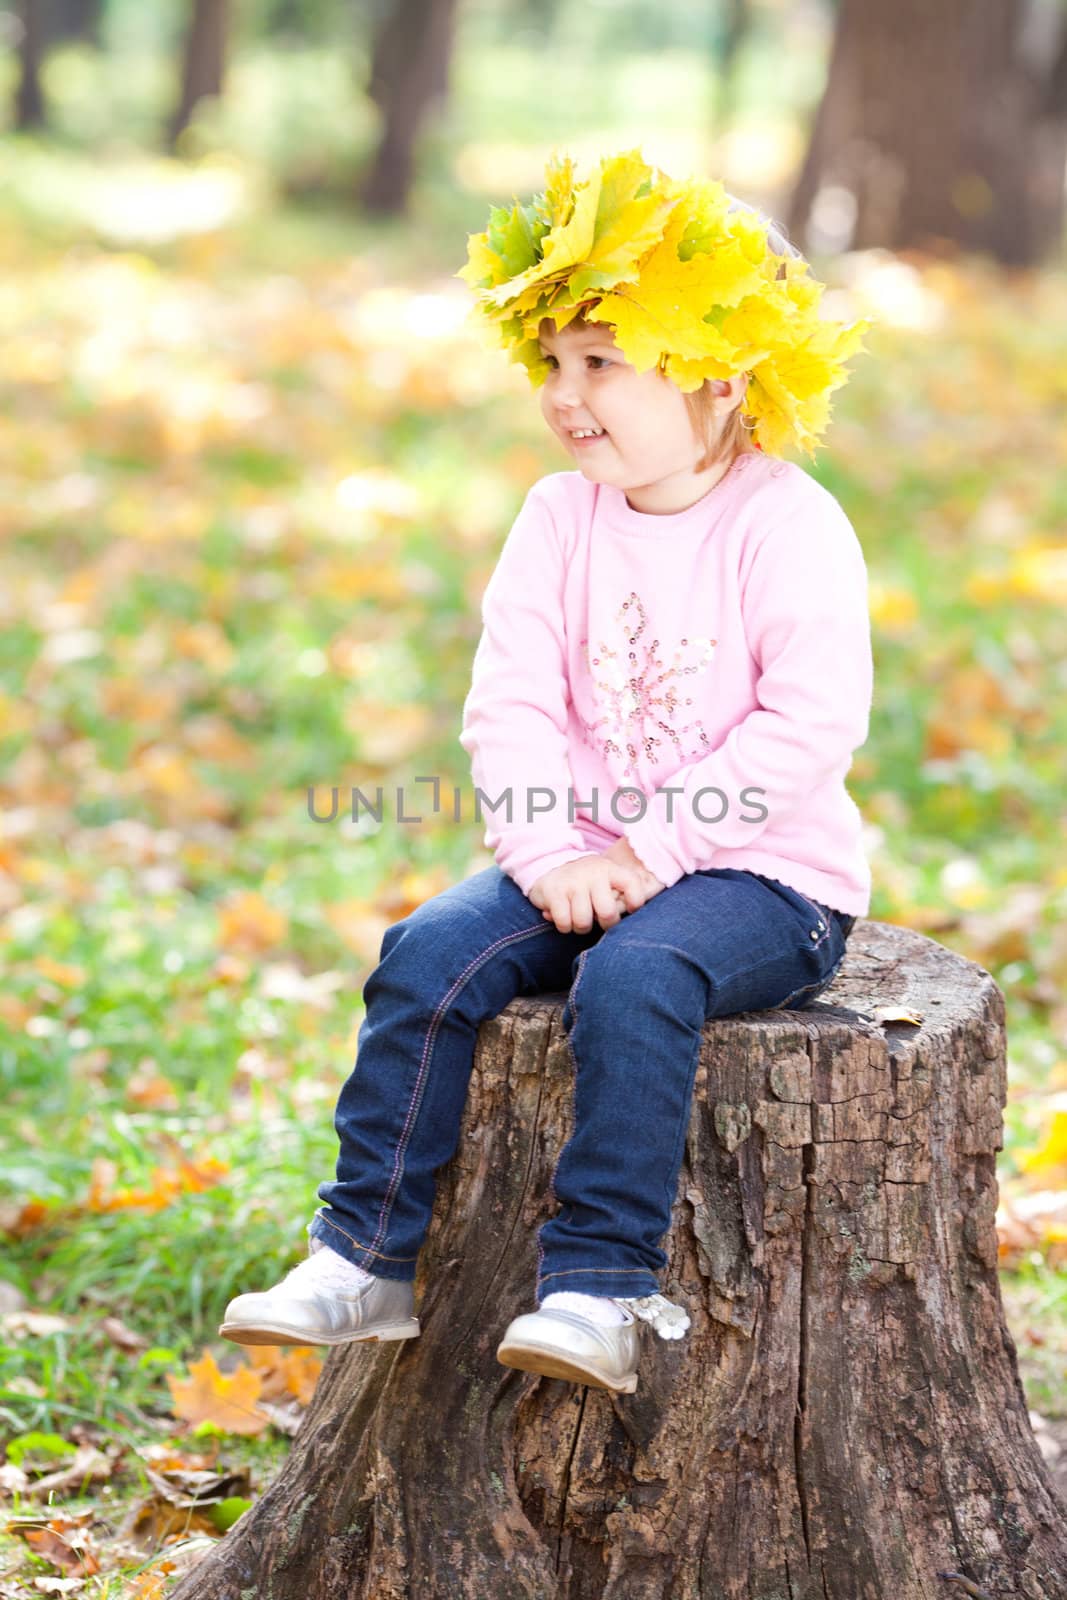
[604, 886]
[573, 895]
[623, 852]
[536, 897]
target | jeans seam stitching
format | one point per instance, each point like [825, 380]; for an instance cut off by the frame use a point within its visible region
[569, 1272]
[427, 1051]
[368, 1248]
[572, 998]
[812, 988]
[671, 1190]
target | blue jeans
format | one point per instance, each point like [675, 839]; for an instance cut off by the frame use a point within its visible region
[715, 943]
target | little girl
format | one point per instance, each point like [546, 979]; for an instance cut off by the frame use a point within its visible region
[674, 672]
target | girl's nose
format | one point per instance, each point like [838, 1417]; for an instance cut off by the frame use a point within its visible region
[567, 393]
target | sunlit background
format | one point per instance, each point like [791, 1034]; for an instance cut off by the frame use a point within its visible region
[255, 471]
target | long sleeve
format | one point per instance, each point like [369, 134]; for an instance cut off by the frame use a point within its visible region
[514, 725]
[804, 602]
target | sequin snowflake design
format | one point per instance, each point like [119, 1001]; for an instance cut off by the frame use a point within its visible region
[642, 697]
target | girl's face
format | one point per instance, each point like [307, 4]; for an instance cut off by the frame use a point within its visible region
[649, 447]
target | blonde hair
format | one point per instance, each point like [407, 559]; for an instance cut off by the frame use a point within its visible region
[720, 443]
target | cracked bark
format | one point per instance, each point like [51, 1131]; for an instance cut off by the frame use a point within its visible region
[843, 1421]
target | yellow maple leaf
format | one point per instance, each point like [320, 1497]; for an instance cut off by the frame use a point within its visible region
[776, 408]
[626, 227]
[483, 262]
[563, 246]
[285, 1371]
[667, 312]
[226, 1399]
[893, 608]
[554, 205]
[1051, 1154]
[1040, 572]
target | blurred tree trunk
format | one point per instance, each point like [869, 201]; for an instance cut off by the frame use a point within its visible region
[204, 64]
[540, 16]
[288, 17]
[737, 16]
[940, 125]
[408, 76]
[75, 19]
[43, 24]
[29, 100]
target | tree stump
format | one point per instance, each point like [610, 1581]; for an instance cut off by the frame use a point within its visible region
[844, 1419]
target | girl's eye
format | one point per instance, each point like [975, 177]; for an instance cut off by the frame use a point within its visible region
[604, 362]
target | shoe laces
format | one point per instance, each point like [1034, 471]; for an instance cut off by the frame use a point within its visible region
[669, 1320]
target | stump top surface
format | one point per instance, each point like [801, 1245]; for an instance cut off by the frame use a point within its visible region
[885, 966]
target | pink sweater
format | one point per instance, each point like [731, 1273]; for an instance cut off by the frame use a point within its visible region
[697, 681]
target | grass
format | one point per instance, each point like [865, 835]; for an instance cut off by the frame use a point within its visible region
[197, 624]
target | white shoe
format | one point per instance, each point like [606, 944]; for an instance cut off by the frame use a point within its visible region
[323, 1300]
[565, 1344]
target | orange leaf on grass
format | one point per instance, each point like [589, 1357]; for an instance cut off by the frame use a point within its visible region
[196, 1176]
[18, 1220]
[152, 1586]
[15, 1012]
[406, 893]
[165, 1184]
[285, 1371]
[248, 922]
[63, 973]
[226, 1399]
[359, 926]
[65, 1546]
[149, 1087]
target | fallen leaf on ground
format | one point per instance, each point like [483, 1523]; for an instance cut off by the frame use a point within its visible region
[286, 1415]
[11, 1299]
[165, 1185]
[66, 1545]
[12, 1479]
[1051, 1154]
[897, 1014]
[19, 1219]
[189, 1487]
[227, 1400]
[286, 1371]
[151, 1522]
[249, 924]
[150, 1586]
[39, 1323]
[123, 1337]
[89, 1466]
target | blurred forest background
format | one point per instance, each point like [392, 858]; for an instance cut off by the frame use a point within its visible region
[255, 471]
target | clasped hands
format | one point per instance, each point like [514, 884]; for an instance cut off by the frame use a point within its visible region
[604, 885]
